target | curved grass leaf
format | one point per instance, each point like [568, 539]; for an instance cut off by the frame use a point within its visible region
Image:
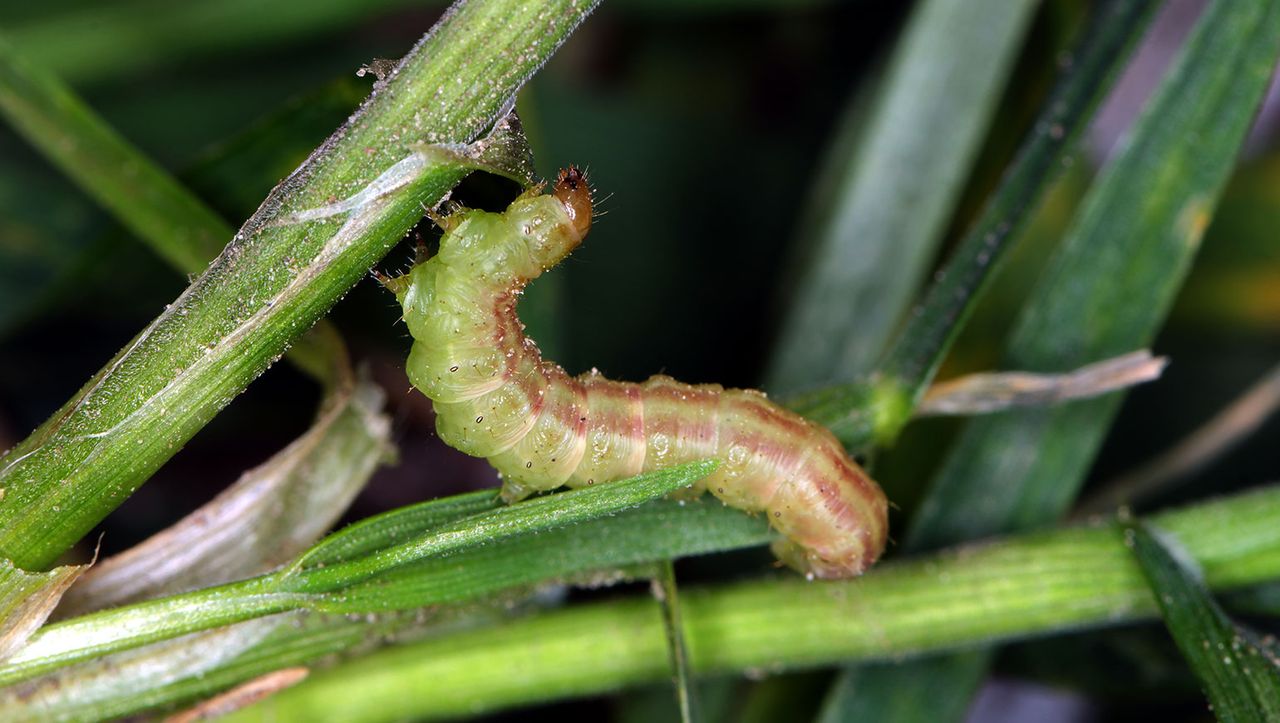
[27, 599]
[896, 188]
[164, 673]
[92, 691]
[1023, 587]
[532, 516]
[382, 531]
[193, 667]
[591, 554]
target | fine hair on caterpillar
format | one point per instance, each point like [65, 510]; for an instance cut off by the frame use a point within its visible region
[496, 397]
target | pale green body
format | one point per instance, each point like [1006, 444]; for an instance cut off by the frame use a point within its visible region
[495, 397]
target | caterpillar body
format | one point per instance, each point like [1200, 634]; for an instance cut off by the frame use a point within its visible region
[496, 397]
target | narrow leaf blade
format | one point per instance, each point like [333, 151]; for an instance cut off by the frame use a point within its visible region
[486, 528]
[1241, 679]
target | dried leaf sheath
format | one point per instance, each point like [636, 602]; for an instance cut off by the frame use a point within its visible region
[495, 397]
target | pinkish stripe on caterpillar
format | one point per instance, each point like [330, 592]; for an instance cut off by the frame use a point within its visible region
[496, 397]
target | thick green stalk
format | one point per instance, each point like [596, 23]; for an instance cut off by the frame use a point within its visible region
[1025, 587]
[279, 274]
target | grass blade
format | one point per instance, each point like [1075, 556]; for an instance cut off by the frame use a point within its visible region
[92, 691]
[1106, 292]
[1110, 286]
[863, 412]
[1241, 679]
[532, 516]
[1023, 587]
[897, 189]
[382, 531]
[165, 673]
[159, 676]
[668, 596]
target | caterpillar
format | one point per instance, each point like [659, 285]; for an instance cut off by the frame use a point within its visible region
[496, 397]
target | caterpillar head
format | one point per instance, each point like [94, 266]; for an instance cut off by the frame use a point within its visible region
[549, 226]
[534, 234]
[574, 193]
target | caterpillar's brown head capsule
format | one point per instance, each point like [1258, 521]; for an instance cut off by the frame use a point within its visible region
[574, 192]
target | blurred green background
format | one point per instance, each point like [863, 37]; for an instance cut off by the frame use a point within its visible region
[703, 127]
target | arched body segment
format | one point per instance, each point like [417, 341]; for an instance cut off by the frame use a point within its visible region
[496, 397]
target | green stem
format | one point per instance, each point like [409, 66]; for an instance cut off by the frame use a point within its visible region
[1025, 587]
[668, 594]
[275, 279]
